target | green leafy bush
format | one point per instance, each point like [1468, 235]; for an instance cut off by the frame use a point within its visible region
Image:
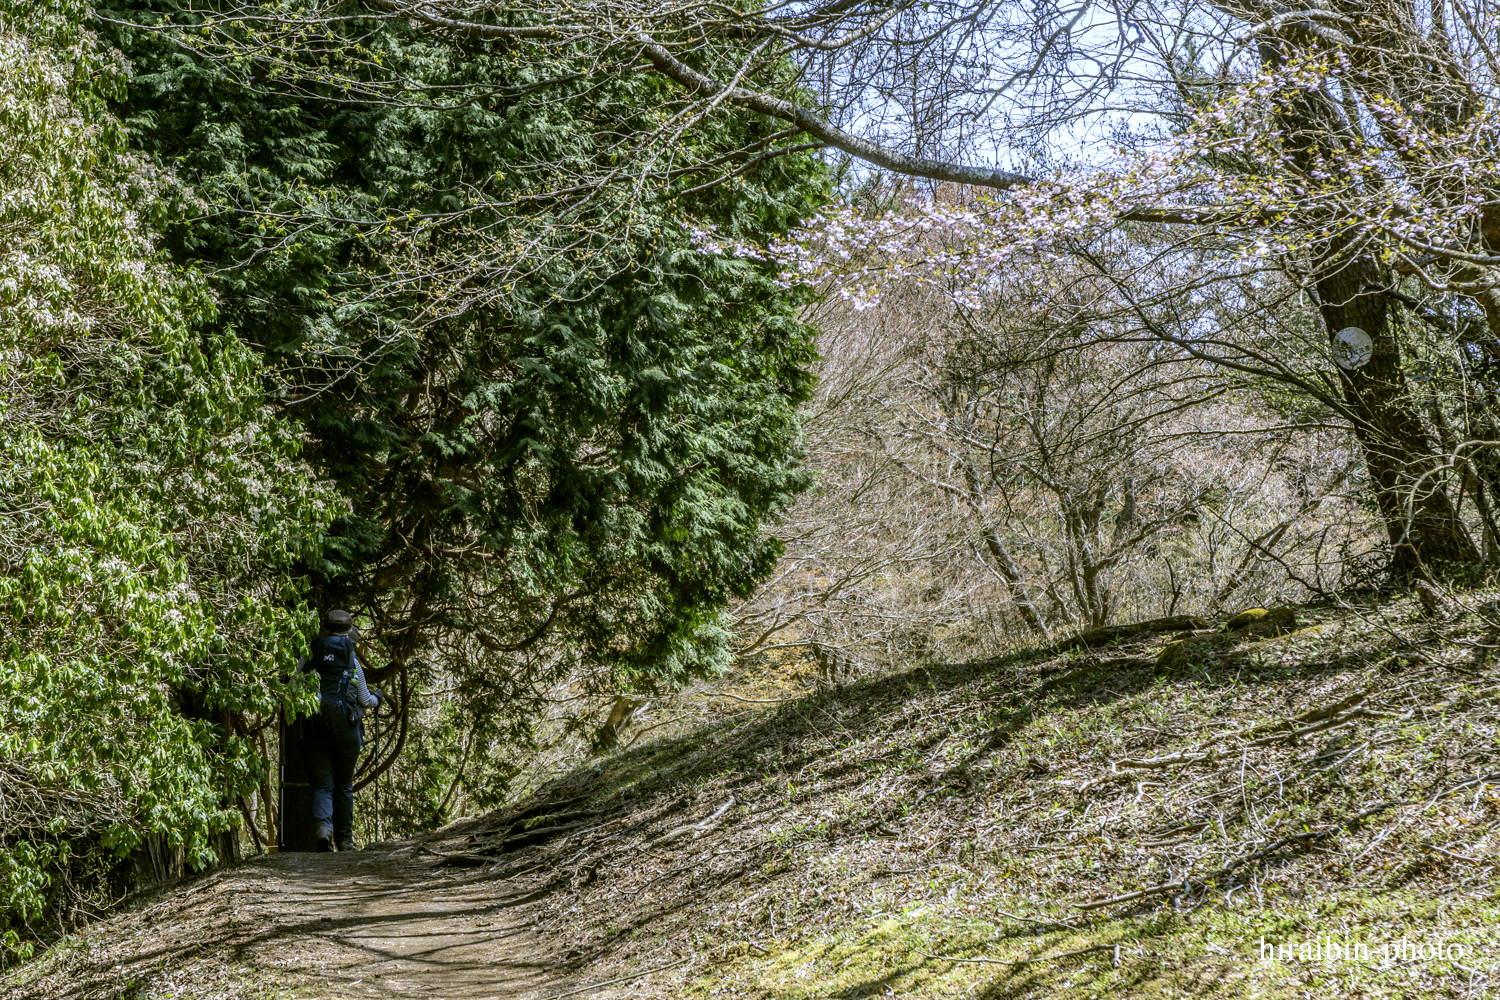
[151, 508]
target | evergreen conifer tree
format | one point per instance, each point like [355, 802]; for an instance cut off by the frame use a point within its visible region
[558, 421]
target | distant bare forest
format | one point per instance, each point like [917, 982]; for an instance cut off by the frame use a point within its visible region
[1010, 463]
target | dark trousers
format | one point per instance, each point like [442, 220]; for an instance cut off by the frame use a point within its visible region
[330, 752]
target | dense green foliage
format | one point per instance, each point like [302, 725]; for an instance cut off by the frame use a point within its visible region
[151, 511]
[558, 420]
[262, 345]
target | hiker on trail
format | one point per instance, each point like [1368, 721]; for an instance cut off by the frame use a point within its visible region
[333, 738]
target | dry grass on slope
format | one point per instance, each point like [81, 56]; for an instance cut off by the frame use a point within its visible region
[1043, 825]
[1052, 825]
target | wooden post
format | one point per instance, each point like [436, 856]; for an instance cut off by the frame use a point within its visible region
[295, 832]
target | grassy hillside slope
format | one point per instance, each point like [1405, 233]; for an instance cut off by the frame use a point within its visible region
[1301, 815]
[1066, 824]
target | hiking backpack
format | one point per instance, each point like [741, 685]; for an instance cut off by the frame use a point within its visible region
[333, 659]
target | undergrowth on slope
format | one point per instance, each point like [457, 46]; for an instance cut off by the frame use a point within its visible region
[1217, 824]
[1303, 815]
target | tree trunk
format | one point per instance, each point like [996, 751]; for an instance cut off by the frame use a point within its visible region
[999, 554]
[1008, 569]
[1424, 526]
[1088, 573]
[1426, 533]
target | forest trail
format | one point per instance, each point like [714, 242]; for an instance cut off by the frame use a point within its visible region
[1133, 819]
[367, 924]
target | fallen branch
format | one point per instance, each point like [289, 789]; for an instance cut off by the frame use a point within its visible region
[1175, 837]
[699, 827]
[1033, 920]
[1330, 710]
[1188, 884]
[622, 979]
[1454, 854]
[1155, 890]
[1460, 787]
[1110, 633]
[1205, 751]
[1027, 961]
[1296, 734]
[755, 701]
[1171, 760]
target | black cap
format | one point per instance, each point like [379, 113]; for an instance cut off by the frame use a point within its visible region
[338, 621]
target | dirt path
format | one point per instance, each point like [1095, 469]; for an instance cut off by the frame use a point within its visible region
[326, 925]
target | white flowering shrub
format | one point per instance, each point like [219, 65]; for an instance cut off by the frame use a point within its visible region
[151, 509]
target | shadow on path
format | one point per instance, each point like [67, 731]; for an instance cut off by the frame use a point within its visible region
[368, 924]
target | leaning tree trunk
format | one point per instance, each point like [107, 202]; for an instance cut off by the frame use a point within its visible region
[1426, 533]
[1007, 568]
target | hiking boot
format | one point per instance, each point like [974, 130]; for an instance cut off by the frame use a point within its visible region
[347, 844]
[324, 836]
